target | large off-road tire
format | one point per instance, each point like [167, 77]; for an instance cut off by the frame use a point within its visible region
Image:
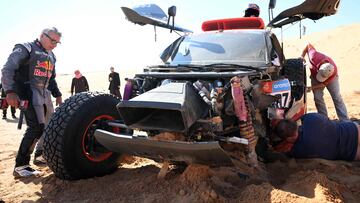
[295, 71]
[70, 149]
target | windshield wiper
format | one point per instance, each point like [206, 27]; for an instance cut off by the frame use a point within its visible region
[230, 66]
[204, 68]
[180, 67]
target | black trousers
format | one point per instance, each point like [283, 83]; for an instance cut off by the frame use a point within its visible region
[115, 92]
[33, 132]
[13, 111]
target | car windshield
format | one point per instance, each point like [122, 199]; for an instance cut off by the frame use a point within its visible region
[246, 47]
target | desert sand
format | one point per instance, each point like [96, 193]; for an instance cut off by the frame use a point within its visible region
[311, 180]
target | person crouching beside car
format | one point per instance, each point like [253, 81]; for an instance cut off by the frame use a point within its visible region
[324, 73]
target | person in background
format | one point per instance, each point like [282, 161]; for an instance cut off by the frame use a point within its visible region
[114, 85]
[79, 83]
[253, 10]
[29, 75]
[319, 137]
[324, 73]
[13, 110]
[128, 89]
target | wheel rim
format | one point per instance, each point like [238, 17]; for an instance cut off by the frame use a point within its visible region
[89, 142]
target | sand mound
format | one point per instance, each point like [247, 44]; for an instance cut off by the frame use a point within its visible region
[314, 185]
[195, 174]
[304, 186]
[267, 193]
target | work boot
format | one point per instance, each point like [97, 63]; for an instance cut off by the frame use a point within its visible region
[25, 171]
[13, 116]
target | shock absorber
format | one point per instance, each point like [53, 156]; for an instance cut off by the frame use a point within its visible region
[246, 127]
[247, 131]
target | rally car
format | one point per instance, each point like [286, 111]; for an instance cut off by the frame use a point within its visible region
[216, 92]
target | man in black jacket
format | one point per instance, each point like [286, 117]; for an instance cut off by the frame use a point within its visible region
[29, 75]
[114, 85]
[79, 83]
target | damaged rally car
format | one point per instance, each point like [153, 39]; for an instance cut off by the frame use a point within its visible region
[216, 92]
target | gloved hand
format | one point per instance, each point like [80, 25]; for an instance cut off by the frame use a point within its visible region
[13, 99]
[58, 101]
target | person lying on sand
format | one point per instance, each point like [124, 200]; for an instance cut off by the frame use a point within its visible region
[319, 137]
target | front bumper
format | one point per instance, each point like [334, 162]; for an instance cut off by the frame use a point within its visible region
[208, 153]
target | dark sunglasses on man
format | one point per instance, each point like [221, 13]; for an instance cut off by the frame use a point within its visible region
[54, 42]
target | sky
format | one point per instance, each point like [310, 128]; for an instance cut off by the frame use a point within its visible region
[96, 34]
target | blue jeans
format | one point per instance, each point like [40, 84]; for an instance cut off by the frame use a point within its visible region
[334, 89]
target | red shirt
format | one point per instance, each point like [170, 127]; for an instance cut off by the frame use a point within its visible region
[316, 59]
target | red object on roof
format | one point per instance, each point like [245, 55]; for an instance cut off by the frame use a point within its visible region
[233, 24]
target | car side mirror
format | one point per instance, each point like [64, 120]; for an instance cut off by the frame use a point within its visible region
[272, 4]
[172, 13]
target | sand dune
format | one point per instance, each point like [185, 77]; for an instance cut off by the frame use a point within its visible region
[342, 44]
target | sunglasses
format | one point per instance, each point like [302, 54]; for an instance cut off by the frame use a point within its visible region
[54, 42]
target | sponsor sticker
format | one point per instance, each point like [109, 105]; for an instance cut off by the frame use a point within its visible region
[19, 50]
[281, 85]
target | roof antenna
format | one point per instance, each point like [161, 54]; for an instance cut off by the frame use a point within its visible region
[304, 29]
[300, 28]
[155, 32]
[171, 13]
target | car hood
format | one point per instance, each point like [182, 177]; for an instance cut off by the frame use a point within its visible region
[312, 9]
